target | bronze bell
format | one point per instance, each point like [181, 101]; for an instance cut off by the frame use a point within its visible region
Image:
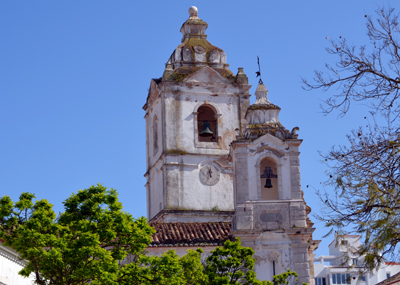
[205, 130]
[268, 174]
[268, 183]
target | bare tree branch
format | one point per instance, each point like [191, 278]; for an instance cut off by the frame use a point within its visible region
[371, 76]
[365, 174]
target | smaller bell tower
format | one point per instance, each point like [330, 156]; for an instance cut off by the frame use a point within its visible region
[271, 215]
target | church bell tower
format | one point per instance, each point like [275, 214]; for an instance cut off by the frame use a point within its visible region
[218, 168]
[193, 112]
[271, 215]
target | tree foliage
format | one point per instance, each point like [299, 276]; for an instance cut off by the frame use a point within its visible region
[231, 264]
[366, 172]
[85, 243]
[234, 264]
[94, 242]
[366, 199]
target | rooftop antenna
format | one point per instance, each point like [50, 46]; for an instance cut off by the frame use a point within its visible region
[258, 73]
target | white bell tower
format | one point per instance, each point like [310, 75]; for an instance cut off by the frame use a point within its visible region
[271, 215]
[193, 112]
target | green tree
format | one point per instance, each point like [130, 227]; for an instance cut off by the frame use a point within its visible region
[366, 173]
[87, 242]
[193, 269]
[234, 264]
[94, 242]
[231, 264]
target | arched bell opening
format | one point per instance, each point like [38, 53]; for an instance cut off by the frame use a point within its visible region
[269, 179]
[207, 124]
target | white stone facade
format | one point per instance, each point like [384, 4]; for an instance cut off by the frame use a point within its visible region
[247, 172]
[174, 170]
[275, 228]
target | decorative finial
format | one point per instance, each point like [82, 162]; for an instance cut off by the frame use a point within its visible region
[193, 12]
[261, 95]
[258, 73]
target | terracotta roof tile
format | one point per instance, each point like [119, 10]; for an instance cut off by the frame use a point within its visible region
[392, 263]
[186, 234]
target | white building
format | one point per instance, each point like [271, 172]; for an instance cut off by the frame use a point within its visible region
[10, 265]
[219, 168]
[345, 266]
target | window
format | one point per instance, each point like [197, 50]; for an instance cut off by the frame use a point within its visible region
[363, 278]
[387, 275]
[207, 124]
[269, 179]
[273, 268]
[155, 135]
[344, 242]
[341, 278]
[355, 261]
[320, 281]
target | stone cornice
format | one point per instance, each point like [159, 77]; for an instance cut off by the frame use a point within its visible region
[11, 255]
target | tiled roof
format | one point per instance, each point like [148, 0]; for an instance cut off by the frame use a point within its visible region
[395, 279]
[190, 234]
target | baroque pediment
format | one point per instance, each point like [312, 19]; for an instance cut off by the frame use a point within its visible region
[207, 75]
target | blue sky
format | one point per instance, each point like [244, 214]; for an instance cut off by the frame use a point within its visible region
[74, 76]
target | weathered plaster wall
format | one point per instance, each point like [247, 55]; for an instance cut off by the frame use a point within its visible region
[155, 188]
[183, 195]
[174, 183]
[289, 250]
[155, 110]
[181, 133]
[173, 176]
[270, 215]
